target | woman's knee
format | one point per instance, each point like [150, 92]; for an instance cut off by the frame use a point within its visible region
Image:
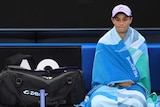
[102, 101]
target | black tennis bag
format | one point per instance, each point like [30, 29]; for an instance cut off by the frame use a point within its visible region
[21, 87]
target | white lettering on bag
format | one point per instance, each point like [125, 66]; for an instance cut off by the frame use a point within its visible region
[32, 93]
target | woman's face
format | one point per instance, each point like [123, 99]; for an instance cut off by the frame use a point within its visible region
[121, 22]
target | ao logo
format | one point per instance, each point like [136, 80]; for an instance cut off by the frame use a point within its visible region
[41, 65]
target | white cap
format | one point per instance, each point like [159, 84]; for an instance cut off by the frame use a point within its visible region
[121, 8]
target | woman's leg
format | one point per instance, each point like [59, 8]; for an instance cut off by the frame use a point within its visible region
[109, 97]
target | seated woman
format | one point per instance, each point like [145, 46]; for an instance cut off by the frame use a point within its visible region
[120, 76]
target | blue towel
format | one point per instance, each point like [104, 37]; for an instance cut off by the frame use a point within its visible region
[116, 61]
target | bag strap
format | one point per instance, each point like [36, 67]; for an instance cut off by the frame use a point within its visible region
[63, 69]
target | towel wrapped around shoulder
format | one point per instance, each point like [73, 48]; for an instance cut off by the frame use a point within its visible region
[118, 61]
